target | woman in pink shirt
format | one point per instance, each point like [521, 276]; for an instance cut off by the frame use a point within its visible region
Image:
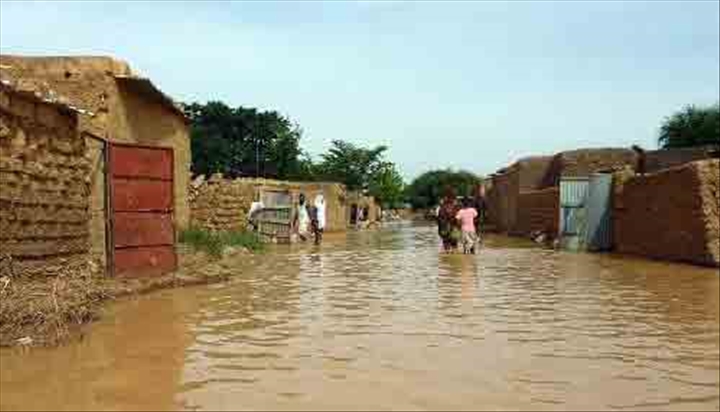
[467, 216]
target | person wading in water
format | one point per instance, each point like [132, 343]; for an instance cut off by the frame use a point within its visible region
[301, 219]
[448, 225]
[641, 160]
[481, 207]
[467, 216]
[317, 218]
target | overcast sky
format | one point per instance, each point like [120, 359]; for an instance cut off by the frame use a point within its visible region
[471, 85]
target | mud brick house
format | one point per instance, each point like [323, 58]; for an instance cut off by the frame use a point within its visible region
[524, 198]
[138, 147]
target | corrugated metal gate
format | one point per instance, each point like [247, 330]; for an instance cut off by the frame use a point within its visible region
[585, 222]
[573, 195]
[275, 224]
[141, 216]
[598, 236]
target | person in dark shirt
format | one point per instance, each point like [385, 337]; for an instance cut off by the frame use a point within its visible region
[641, 159]
[480, 205]
[448, 225]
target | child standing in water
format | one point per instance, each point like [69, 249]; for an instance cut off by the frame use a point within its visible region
[467, 216]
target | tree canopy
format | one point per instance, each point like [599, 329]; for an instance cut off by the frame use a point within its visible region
[387, 186]
[350, 164]
[691, 126]
[243, 141]
[247, 142]
[427, 189]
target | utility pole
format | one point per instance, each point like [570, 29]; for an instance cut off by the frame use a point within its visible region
[257, 157]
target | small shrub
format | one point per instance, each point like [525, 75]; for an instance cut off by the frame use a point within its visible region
[246, 239]
[214, 242]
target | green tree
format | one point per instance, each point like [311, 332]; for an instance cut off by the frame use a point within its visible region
[243, 141]
[427, 189]
[387, 185]
[350, 164]
[692, 126]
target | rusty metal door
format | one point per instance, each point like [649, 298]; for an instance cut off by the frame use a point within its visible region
[141, 200]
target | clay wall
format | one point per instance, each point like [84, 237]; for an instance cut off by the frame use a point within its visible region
[223, 204]
[44, 201]
[670, 215]
[538, 211]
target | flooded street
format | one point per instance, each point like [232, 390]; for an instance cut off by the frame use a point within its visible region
[381, 320]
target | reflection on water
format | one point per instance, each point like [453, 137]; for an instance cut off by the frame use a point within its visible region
[381, 320]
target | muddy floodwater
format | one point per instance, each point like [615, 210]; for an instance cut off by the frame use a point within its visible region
[381, 320]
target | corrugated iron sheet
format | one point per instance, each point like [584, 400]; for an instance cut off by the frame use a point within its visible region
[573, 219]
[598, 236]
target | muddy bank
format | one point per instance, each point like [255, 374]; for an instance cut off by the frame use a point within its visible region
[47, 311]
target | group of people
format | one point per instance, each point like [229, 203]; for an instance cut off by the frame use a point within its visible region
[307, 220]
[460, 223]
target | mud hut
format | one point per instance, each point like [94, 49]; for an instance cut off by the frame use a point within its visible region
[139, 152]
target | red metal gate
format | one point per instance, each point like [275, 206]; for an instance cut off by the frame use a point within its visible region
[141, 226]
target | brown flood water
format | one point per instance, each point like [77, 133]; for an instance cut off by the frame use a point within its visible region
[381, 320]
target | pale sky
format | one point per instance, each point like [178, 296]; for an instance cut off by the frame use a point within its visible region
[471, 85]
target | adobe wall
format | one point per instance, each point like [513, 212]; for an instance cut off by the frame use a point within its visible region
[502, 194]
[532, 172]
[657, 160]
[45, 186]
[584, 162]
[120, 115]
[538, 211]
[671, 215]
[497, 199]
[87, 81]
[223, 204]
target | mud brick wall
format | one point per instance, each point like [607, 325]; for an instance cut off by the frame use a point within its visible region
[44, 184]
[584, 162]
[124, 111]
[222, 204]
[670, 215]
[538, 210]
[657, 160]
[497, 199]
[532, 172]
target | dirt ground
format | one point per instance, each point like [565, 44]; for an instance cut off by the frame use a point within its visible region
[46, 312]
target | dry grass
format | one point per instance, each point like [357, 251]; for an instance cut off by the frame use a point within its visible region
[45, 310]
